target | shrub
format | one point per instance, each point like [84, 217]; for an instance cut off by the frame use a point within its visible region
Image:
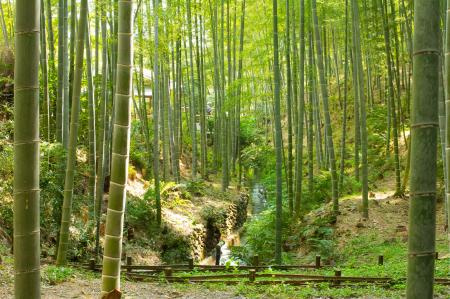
[54, 275]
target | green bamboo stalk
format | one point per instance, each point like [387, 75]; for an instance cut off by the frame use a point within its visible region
[301, 113]
[60, 91]
[26, 151]
[73, 20]
[65, 78]
[165, 100]
[392, 105]
[101, 134]
[290, 158]
[192, 107]
[239, 93]
[71, 154]
[447, 110]
[356, 113]
[362, 98]
[156, 103]
[328, 131]
[44, 68]
[120, 150]
[424, 130]
[51, 36]
[311, 120]
[4, 29]
[278, 145]
[344, 112]
[91, 110]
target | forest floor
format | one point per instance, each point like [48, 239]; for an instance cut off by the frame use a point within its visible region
[357, 246]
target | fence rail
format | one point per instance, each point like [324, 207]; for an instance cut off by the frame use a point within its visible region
[154, 273]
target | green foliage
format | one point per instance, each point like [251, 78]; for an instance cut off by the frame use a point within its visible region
[256, 157]
[139, 156]
[6, 176]
[196, 187]
[213, 215]
[52, 187]
[140, 213]
[260, 232]
[174, 247]
[318, 236]
[55, 275]
[250, 133]
[379, 164]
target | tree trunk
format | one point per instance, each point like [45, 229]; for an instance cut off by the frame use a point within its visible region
[278, 145]
[301, 114]
[328, 129]
[26, 151]
[73, 135]
[120, 149]
[362, 98]
[424, 130]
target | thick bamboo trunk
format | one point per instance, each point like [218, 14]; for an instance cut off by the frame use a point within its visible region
[26, 151]
[120, 150]
[424, 130]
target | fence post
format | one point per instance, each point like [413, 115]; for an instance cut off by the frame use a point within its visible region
[191, 263]
[92, 264]
[218, 253]
[256, 260]
[168, 274]
[129, 263]
[318, 261]
[380, 260]
[337, 273]
[252, 275]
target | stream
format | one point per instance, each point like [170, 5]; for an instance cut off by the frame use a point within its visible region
[258, 203]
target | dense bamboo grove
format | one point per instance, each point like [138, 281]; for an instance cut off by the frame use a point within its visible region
[177, 79]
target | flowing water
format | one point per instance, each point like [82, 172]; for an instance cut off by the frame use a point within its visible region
[258, 203]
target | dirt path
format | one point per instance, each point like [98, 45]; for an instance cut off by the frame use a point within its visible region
[86, 289]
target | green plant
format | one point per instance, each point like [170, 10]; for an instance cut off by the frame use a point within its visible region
[140, 213]
[260, 232]
[54, 275]
[196, 188]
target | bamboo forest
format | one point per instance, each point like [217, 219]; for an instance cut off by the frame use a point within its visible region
[223, 149]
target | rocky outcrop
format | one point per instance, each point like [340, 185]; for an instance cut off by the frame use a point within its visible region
[217, 224]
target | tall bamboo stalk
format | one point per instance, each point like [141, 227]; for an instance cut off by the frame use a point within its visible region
[424, 130]
[447, 110]
[328, 129]
[278, 141]
[301, 113]
[120, 151]
[156, 103]
[362, 98]
[91, 111]
[73, 135]
[26, 151]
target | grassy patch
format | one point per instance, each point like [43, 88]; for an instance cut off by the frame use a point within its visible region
[56, 275]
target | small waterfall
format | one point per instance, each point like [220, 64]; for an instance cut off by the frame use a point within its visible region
[258, 204]
[259, 201]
